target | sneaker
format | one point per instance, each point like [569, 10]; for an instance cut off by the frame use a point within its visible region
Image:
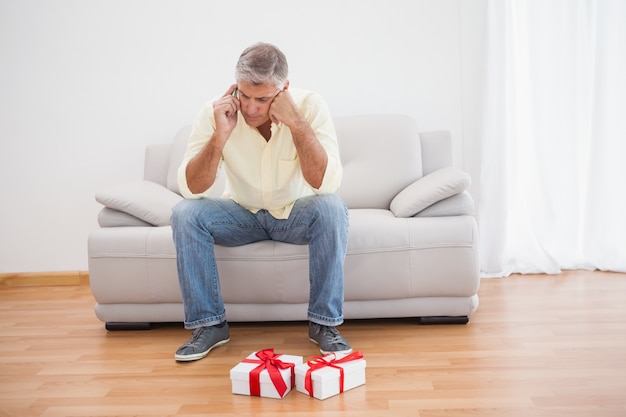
[202, 341]
[328, 339]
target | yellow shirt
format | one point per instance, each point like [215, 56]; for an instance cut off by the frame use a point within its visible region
[264, 174]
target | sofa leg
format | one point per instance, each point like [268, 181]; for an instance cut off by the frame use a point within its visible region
[111, 325]
[444, 320]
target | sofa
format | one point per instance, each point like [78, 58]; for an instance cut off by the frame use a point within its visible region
[412, 249]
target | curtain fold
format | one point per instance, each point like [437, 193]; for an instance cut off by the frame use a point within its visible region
[553, 152]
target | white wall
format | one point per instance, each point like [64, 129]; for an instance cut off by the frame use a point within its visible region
[86, 84]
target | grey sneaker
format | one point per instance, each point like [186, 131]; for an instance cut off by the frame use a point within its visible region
[328, 339]
[202, 340]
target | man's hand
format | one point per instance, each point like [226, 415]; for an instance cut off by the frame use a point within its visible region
[313, 158]
[225, 112]
[284, 110]
[202, 168]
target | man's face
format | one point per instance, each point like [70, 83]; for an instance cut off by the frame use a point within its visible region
[256, 101]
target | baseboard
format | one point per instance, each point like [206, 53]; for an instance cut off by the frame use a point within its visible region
[44, 279]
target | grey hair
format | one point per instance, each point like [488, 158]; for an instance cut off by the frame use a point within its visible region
[262, 63]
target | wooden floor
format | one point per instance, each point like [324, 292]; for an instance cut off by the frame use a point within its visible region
[537, 346]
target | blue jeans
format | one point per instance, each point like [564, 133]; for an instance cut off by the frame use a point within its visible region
[321, 221]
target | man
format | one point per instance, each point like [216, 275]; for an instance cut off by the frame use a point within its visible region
[278, 149]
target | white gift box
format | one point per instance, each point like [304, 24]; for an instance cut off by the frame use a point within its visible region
[326, 377]
[243, 381]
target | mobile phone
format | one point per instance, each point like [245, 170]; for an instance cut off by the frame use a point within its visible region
[236, 93]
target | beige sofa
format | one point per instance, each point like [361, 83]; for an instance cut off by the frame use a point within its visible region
[412, 250]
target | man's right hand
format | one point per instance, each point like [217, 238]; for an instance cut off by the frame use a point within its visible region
[225, 112]
[201, 170]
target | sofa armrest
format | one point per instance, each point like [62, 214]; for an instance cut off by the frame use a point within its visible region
[461, 204]
[428, 190]
[108, 217]
[145, 200]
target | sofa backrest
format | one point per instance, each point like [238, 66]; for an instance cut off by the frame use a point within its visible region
[381, 154]
[176, 157]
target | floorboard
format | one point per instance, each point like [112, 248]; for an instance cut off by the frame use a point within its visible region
[538, 345]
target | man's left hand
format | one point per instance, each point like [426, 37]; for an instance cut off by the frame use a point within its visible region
[284, 110]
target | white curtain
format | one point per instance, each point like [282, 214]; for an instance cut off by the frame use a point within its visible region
[553, 152]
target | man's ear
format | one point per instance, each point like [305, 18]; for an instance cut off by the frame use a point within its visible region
[286, 85]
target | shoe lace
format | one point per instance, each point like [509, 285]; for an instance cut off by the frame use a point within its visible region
[194, 337]
[332, 336]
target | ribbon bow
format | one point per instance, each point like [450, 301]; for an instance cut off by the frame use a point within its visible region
[318, 362]
[269, 360]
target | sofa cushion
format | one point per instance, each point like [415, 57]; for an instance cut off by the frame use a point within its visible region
[381, 154]
[146, 200]
[176, 158]
[428, 190]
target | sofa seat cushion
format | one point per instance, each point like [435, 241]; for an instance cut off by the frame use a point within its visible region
[143, 261]
[421, 257]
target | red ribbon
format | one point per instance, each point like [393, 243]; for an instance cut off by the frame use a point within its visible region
[318, 362]
[269, 360]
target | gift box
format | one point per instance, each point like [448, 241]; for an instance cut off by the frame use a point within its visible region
[265, 374]
[324, 376]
